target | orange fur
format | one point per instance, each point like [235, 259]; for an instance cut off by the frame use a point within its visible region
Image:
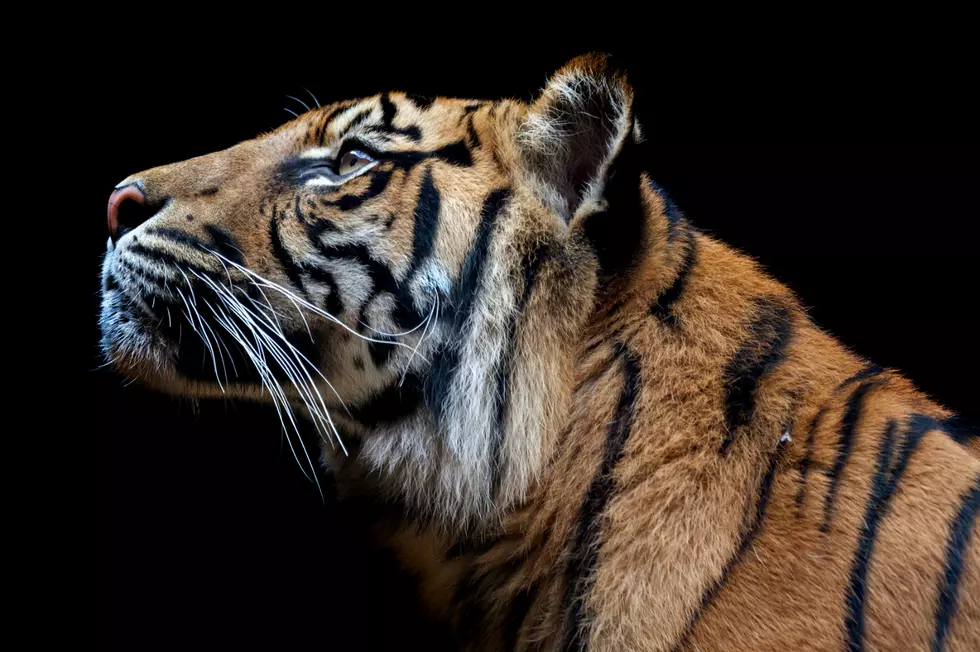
[687, 461]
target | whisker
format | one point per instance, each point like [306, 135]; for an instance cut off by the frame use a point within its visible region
[313, 96]
[312, 308]
[300, 101]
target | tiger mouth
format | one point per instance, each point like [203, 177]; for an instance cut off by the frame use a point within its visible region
[221, 333]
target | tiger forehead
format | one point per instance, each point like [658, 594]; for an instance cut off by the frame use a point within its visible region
[389, 117]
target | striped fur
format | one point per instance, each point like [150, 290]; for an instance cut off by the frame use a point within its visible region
[580, 422]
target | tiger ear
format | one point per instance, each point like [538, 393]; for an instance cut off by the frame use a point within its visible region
[574, 131]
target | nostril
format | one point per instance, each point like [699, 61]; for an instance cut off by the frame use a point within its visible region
[128, 209]
[132, 213]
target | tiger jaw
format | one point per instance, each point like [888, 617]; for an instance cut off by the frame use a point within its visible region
[188, 338]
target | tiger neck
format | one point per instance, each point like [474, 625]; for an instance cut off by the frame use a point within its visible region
[466, 460]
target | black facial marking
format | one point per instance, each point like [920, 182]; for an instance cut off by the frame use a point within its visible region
[379, 181]
[461, 302]
[208, 192]
[770, 331]
[355, 121]
[224, 244]
[845, 444]
[285, 261]
[585, 547]
[426, 223]
[322, 130]
[387, 127]
[959, 538]
[404, 314]
[381, 351]
[166, 259]
[332, 303]
[178, 236]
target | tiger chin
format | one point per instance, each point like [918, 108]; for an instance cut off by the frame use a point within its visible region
[580, 421]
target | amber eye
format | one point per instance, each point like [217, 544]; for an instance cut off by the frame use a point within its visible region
[353, 161]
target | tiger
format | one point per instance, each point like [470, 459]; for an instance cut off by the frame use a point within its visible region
[577, 420]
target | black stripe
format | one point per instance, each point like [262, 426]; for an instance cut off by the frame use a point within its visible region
[584, 549]
[333, 303]
[282, 256]
[387, 126]
[845, 444]
[461, 303]
[224, 244]
[404, 313]
[221, 241]
[356, 120]
[177, 236]
[391, 404]
[808, 458]
[474, 138]
[381, 351]
[165, 258]
[425, 223]
[883, 488]
[769, 334]
[531, 266]
[671, 211]
[662, 306]
[751, 532]
[514, 621]
[336, 111]
[412, 132]
[421, 101]
[388, 110]
[378, 184]
[961, 430]
[867, 371]
[959, 538]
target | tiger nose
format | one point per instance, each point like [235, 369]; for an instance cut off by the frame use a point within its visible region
[127, 210]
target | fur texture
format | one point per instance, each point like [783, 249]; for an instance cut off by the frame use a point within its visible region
[582, 423]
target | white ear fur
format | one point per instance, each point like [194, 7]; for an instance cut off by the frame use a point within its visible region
[574, 131]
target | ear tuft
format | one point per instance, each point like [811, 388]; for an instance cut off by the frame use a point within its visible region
[574, 131]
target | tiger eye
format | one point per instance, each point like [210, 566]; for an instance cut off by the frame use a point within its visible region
[353, 161]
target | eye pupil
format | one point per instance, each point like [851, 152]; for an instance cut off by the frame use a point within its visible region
[352, 161]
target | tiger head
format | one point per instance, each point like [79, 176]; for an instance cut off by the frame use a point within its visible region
[410, 275]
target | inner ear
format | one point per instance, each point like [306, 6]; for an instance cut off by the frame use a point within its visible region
[574, 131]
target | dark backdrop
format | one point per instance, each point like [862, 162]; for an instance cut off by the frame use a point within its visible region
[849, 174]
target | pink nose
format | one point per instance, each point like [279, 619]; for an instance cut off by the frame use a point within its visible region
[127, 210]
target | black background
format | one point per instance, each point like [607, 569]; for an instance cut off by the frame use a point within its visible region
[849, 172]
